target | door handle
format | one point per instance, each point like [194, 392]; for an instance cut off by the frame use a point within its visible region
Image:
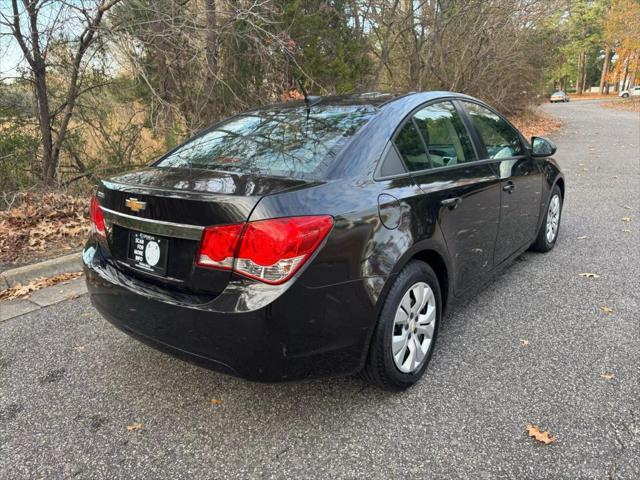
[509, 187]
[451, 203]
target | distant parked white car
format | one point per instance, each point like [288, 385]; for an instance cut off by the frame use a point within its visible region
[559, 96]
[631, 92]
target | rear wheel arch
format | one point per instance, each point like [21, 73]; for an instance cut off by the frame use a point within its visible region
[431, 257]
[439, 266]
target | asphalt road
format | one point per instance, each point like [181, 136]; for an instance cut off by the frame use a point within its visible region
[70, 384]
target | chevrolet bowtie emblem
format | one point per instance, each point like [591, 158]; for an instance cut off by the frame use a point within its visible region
[135, 204]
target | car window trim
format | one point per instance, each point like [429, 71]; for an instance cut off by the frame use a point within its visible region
[523, 143]
[401, 125]
[455, 108]
[407, 119]
[424, 143]
[429, 171]
[377, 176]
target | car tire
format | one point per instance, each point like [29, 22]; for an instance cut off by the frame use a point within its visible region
[546, 241]
[382, 367]
[625, 95]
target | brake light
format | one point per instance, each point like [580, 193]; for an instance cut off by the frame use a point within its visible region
[97, 219]
[218, 246]
[267, 250]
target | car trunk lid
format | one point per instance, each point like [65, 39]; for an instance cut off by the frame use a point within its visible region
[170, 207]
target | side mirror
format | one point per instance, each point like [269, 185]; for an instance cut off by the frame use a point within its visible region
[542, 147]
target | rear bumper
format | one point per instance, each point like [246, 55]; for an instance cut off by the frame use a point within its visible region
[286, 334]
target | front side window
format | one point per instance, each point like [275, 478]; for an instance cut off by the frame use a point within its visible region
[286, 142]
[500, 139]
[445, 135]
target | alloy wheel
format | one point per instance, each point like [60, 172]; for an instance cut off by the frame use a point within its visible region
[413, 328]
[553, 218]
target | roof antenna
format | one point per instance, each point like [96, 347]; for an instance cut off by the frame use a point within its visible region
[306, 97]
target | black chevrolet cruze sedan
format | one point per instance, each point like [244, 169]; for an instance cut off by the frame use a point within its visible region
[320, 237]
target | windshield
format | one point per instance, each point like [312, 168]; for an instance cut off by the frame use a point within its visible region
[281, 142]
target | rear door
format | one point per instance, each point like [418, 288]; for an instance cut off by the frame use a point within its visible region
[465, 193]
[520, 179]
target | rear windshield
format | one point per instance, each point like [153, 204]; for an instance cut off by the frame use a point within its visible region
[274, 142]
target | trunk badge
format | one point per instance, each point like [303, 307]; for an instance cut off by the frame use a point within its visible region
[135, 204]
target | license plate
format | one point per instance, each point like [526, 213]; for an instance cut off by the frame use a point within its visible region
[148, 252]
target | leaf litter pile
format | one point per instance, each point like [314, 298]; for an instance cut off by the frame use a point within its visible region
[23, 291]
[42, 225]
[535, 123]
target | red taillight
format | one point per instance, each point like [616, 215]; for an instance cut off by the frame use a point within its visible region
[218, 246]
[97, 220]
[270, 250]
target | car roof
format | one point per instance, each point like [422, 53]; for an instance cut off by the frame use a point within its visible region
[374, 99]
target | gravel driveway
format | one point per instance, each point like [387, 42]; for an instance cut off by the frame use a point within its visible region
[533, 347]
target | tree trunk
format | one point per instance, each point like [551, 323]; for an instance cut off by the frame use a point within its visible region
[605, 69]
[625, 74]
[579, 77]
[583, 84]
[384, 45]
[212, 56]
[44, 124]
[634, 73]
[165, 84]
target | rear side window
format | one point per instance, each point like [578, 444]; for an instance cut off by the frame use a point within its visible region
[446, 137]
[285, 142]
[500, 139]
[411, 148]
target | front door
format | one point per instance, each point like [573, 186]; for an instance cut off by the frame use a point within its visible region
[520, 180]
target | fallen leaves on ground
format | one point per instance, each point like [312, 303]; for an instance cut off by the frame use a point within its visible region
[134, 427]
[40, 223]
[523, 342]
[535, 123]
[582, 237]
[628, 104]
[607, 376]
[589, 275]
[607, 310]
[23, 291]
[626, 219]
[543, 437]
[80, 348]
[215, 401]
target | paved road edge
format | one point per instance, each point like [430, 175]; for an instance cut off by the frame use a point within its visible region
[48, 268]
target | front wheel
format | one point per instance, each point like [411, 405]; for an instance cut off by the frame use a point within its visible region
[548, 233]
[406, 331]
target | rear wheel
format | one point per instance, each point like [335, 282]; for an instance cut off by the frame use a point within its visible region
[625, 95]
[406, 331]
[548, 233]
